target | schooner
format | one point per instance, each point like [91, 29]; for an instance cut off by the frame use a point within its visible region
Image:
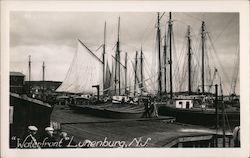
[102, 90]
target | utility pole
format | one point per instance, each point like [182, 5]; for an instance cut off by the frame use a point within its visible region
[189, 62]
[159, 53]
[170, 53]
[202, 56]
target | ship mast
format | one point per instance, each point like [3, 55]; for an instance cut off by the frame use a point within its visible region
[29, 68]
[159, 53]
[141, 72]
[202, 55]
[103, 56]
[135, 72]
[189, 62]
[126, 60]
[170, 54]
[43, 77]
[165, 61]
[118, 60]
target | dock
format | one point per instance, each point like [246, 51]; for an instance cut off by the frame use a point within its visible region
[149, 132]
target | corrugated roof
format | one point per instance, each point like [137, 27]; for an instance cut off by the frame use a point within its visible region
[16, 74]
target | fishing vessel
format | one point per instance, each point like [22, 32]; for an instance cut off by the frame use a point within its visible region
[101, 91]
[201, 107]
[96, 89]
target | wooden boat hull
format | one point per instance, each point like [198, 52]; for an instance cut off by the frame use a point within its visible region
[200, 117]
[106, 110]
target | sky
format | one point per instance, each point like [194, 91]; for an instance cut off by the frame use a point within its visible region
[52, 37]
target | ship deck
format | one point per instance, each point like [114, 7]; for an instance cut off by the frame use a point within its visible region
[161, 131]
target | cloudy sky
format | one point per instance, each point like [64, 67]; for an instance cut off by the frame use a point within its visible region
[52, 37]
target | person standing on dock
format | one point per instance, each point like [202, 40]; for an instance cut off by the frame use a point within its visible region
[236, 136]
[146, 109]
[155, 108]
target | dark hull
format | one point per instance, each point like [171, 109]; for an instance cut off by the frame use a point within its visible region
[27, 111]
[123, 111]
[200, 117]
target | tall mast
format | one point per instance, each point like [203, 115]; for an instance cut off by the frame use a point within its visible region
[141, 71]
[43, 76]
[189, 61]
[135, 72]
[159, 52]
[103, 56]
[165, 62]
[126, 60]
[29, 68]
[118, 57]
[202, 55]
[170, 53]
[216, 113]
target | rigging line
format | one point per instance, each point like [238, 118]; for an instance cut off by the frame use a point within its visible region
[197, 55]
[225, 87]
[143, 35]
[196, 18]
[225, 27]
[227, 120]
[217, 57]
[138, 82]
[235, 72]
[101, 46]
[181, 60]
[181, 22]
[119, 62]
[146, 67]
[90, 51]
[178, 61]
[175, 56]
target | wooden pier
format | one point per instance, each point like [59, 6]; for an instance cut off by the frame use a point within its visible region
[155, 132]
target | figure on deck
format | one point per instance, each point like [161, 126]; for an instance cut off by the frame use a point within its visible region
[146, 109]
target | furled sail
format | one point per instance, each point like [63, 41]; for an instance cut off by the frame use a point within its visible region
[85, 71]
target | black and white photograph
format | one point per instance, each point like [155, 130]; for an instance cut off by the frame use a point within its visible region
[153, 79]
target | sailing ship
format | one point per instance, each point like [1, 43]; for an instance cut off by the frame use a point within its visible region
[113, 99]
[192, 107]
[96, 89]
